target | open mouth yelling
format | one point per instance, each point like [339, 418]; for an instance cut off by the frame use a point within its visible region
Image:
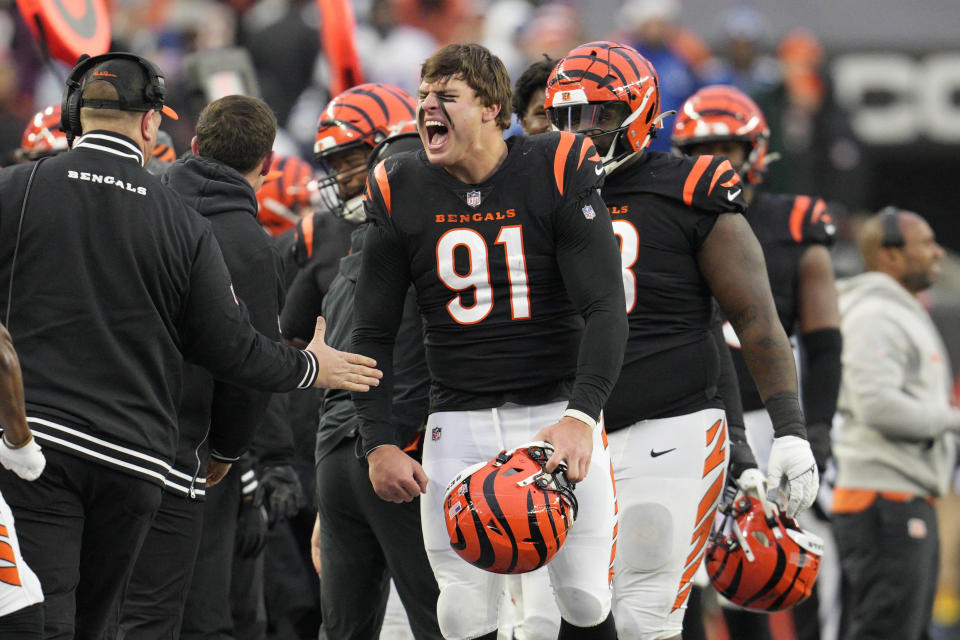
[437, 134]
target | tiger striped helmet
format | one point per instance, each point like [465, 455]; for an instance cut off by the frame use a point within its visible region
[719, 113]
[606, 87]
[285, 191]
[358, 118]
[509, 515]
[761, 562]
[43, 135]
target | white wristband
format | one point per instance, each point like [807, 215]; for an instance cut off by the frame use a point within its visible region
[582, 417]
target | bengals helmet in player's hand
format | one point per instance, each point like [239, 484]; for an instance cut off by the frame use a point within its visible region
[509, 515]
[721, 113]
[610, 92]
[761, 561]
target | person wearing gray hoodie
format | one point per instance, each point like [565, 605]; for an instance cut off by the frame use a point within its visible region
[895, 447]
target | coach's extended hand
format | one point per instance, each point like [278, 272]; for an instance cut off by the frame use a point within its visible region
[341, 369]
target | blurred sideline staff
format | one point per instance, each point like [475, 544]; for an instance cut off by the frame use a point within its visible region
[138, 284]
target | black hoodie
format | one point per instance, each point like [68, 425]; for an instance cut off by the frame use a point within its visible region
[215, 415]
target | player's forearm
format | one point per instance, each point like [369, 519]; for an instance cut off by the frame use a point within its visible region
[12, 415]
[601, 356]
[767, 352]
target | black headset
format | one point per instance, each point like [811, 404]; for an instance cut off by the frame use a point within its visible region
[153, 93]
[892, 238]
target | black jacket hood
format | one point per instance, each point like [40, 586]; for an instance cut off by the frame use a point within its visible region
[211, 187]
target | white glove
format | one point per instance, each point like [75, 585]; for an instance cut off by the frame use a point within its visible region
[792, 478]
[26, 461]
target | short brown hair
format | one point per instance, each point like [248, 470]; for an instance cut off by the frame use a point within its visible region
[237, 131]
[483, 72]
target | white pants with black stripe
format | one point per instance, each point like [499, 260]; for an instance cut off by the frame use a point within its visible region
[670, 474]
[19, 586]
[580, 572]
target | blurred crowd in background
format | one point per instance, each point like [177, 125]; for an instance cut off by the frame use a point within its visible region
[271, 48]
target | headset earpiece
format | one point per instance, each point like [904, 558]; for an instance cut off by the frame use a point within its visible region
[154, 91]
[892, 237]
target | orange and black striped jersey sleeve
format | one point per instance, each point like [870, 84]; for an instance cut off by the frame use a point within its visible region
[577, 167]
[810, 221]
[711, 184]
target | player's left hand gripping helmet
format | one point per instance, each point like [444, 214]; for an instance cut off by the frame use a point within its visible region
[286, 190]
[358, 118]
[720, 113]
[606, 88]
[509, 515]
[43, 136]
[759, 559]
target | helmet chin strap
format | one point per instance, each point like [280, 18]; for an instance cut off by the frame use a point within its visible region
[353, 211]
[611, 164]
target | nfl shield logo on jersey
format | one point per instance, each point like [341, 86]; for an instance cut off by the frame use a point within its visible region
[589, 213]
[435, 434]
[473, 199]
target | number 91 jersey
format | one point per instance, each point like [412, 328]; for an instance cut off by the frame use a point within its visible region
[488, 261]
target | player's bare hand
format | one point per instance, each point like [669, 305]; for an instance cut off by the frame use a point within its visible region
[315, 547]
[341, 369]
[216, 471]
[572, 441]
[395, 476]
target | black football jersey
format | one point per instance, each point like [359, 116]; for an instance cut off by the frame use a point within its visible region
[498, 268]
[785, 225]
[663, 207]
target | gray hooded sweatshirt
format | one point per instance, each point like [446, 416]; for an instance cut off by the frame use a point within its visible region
[897, 430]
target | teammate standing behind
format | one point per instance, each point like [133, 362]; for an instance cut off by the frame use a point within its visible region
[364, 542]
[21, 611]
[528, 95]
[681, 240]
[231, 155]
[510, 250]
[795, 233]
[115, 282]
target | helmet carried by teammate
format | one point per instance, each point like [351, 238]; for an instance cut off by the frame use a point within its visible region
[509, 515]
[610, 92]
[760, 559]
[720, 113]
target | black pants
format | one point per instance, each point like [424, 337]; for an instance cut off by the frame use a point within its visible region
[364, 542]
[890, 556]
[80, 527]
[25, 624]
[207, 614]
[153, 605]
[290, 581]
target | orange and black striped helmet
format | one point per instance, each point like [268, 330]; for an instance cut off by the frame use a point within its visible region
[718, 113]
[360, 117]
[285, 192]
[606, 87]
[762, 561]
[43, 136]
[509, 515]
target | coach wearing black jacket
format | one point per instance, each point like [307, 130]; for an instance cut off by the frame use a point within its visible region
[231, 155]
[110, 281]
